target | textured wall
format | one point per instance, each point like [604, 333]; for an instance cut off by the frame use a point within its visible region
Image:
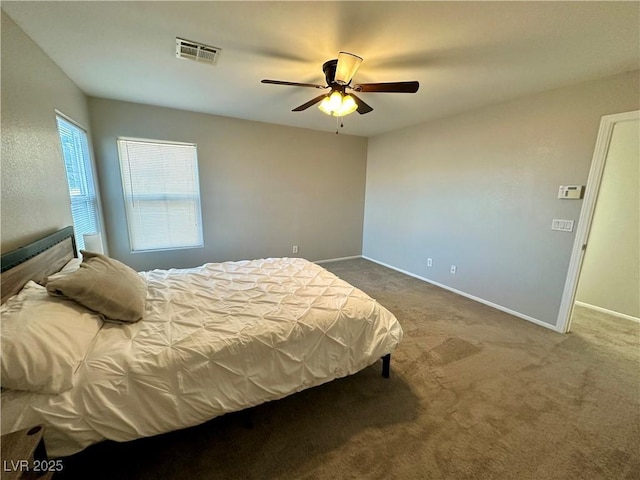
[479, 191]
[35, 196]
[264, 188]
[610, 276]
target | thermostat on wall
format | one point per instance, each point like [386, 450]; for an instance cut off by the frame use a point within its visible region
[571, 192]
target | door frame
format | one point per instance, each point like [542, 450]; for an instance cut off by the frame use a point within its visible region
[607, 124]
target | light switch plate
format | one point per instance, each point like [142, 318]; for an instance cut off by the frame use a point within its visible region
[562, 225]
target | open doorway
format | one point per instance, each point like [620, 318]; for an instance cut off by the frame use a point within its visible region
[604, 277]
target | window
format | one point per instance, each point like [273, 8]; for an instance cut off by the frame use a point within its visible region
[84, 207]
[161, 194]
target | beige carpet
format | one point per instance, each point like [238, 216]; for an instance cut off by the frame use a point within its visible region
[474, 393]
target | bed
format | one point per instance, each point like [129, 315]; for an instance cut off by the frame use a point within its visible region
[214, 339]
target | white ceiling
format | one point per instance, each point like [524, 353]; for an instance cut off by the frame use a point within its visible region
[464, 54]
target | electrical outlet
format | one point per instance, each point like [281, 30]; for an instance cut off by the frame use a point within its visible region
[429, 262]
[295, 249]
[453, 269]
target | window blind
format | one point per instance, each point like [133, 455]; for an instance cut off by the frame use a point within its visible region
[161, 194]
[77, 162]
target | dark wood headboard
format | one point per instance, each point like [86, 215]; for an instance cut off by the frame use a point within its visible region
[36, 261]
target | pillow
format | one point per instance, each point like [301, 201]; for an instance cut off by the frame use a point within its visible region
[104, 285]
[43, 340]
[69, 267]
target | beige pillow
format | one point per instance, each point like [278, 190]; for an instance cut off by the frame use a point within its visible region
[104, 285]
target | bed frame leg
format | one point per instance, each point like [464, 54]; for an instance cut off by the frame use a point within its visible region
[386, 362]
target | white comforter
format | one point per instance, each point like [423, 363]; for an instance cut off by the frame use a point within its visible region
[214, 339]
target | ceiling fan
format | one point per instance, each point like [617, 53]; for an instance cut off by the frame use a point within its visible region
[339, 73]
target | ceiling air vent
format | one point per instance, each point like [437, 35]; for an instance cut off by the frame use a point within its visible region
[196, 51]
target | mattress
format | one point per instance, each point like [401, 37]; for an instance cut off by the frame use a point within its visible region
[214, 339]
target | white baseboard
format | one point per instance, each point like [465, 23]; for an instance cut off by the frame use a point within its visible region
[608, 312]
[329, 260]
[467, 295]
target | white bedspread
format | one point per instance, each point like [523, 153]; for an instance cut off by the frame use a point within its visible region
[214, 339]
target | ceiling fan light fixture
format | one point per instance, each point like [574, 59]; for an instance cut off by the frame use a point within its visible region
[324, 106]
[338, 105]
[347, 67]
[331, 103]
[335, 101]
[349, 105]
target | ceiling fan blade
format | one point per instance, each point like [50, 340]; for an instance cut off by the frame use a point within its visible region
[362, 106]
[347, 67]
[391, 87]
[293, 84]
[310, 103]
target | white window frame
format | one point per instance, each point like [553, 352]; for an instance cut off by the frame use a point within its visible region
[88, 179]
[130, 197]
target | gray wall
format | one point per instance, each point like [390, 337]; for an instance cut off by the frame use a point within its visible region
[610, 275]
[264, 188]
[35, 195]
[479, 191]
